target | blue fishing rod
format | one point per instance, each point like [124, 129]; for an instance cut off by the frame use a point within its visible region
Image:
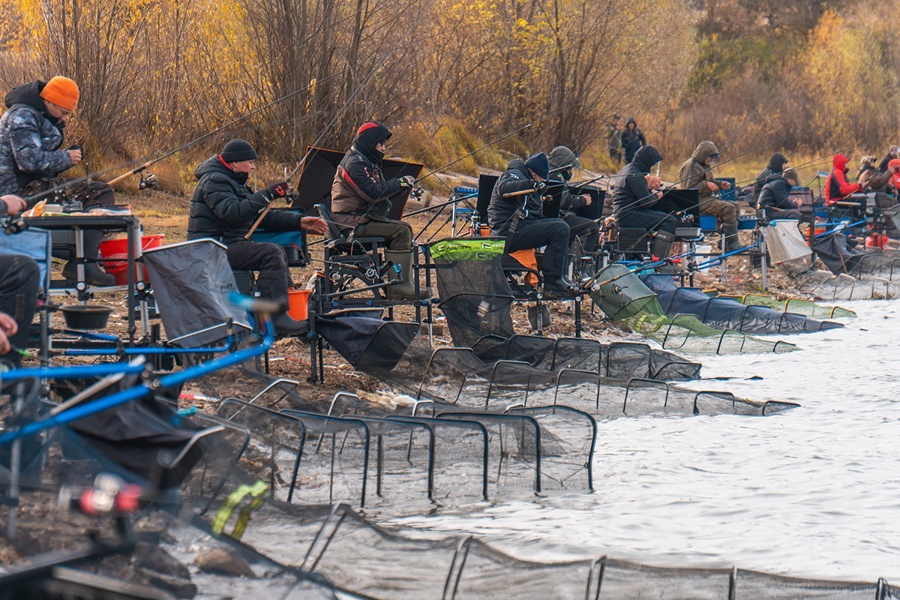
[263, 307]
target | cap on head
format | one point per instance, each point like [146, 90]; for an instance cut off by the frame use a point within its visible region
[62, 92]
[539, 165]
[237, 150]
[371, 133]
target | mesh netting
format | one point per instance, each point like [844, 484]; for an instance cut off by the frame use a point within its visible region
[294, 453]
[625, 299]
[822, 285]
[728, 314]
[798, 306]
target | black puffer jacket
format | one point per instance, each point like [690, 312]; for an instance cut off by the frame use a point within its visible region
[224, 208]
[772, 170]
[501, 210]
[630, 191]
[775, 194]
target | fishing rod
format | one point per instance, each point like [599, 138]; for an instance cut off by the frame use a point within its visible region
[150, 181]
[315, 144]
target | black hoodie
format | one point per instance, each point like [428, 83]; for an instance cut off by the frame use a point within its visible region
[359, 182]
[773, 169]
[630, 191]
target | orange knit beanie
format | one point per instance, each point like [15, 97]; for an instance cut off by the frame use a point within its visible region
[62, 92]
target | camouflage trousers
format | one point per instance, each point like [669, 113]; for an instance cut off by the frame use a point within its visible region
[727, 213]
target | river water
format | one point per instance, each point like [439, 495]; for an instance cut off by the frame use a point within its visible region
[810, 492]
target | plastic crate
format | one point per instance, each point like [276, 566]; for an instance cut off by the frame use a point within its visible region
[731, 193]
[708, 223]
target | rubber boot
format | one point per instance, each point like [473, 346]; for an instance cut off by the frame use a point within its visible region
[93, 274]
[407, 289]
[532, 312]
[287, 326]
[732, 241]
[662, 243]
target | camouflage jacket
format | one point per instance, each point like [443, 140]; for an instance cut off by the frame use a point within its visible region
[29, 141]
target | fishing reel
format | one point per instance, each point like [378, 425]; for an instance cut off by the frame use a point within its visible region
[416, 193]
[148, 181]
[14, 225]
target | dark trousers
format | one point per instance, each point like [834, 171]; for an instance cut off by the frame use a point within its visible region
[269, 260]
[586, 229]
[552, 233]
[651, 220]
[20, 279]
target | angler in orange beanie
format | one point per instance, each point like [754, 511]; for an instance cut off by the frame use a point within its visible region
[32, 158]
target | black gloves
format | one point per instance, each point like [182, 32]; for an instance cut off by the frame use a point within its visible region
[277, 190]
[407, 181]
[540, 186]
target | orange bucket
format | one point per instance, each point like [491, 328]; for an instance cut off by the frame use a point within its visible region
[298, 304]
[117, 249]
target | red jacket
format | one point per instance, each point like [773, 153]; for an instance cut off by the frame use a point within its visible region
[895, 174]
[836, 186]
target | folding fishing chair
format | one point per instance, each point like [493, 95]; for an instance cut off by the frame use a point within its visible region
[36, 244]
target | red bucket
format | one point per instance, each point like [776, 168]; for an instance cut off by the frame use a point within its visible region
[115, 255]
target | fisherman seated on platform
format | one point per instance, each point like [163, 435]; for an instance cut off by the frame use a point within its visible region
[839, 190]
[31, 134]
[696, 173]
[774, 198]
[20, 279]
[516, 212]
[361, 197]
[777, 163]
[563, 163]
[634, 202]
[224, 208]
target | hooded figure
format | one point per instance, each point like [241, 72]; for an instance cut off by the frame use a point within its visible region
[516, 212]
[775, 167]
[634, 202]
[360, 197]
[632, 139]
[837, 188]
[562, 164]
[696, 173]
[775, 199]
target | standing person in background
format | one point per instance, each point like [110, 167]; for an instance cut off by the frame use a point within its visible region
[632, 139]
[776, 166]
[614, 139]
[31, 160]
[696, 173]
[562, 164]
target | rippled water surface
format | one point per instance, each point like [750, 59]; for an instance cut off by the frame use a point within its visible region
[813, 491]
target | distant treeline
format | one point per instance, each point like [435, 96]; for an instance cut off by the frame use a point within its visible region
[449, 75]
